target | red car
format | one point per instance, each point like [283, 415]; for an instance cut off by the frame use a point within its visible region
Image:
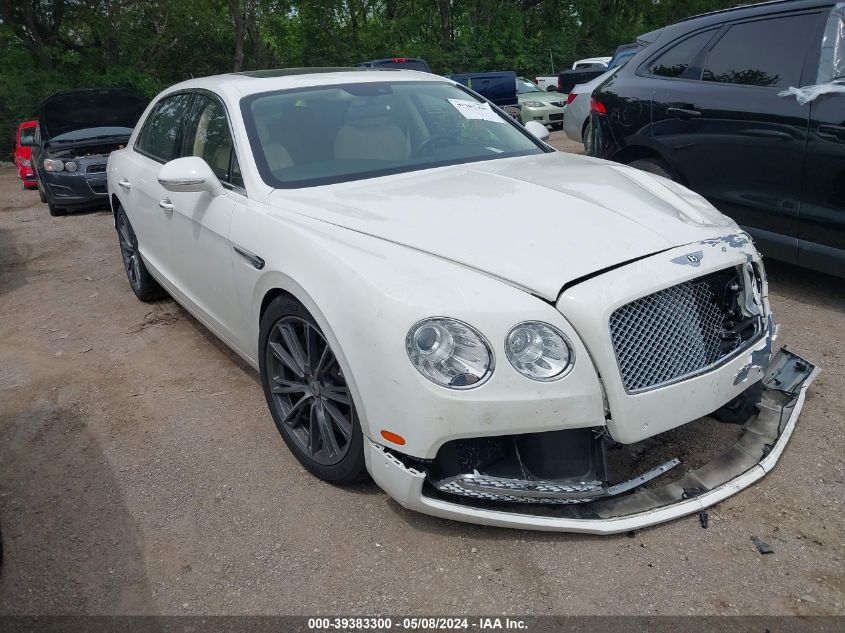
[23, 153]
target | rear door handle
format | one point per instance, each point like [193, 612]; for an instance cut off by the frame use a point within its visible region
[683, 113]
[165, 205]
[124, 184]
[836, 131]
[760, 133]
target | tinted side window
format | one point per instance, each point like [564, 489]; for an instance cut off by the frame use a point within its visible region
[207, 135]
[158, 137]
[765, 53]
[677, 60]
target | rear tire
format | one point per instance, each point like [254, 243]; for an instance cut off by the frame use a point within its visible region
[56, 211]
[308, 396]
[655, 166]
[142, 283]
[588, 136]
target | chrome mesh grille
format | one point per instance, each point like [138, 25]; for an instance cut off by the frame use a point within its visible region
[677, 332]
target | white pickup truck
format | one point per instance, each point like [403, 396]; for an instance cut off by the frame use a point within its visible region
[550, 83]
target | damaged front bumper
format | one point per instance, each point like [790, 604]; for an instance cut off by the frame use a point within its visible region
[592, 506]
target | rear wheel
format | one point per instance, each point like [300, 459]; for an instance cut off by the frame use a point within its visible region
[143, 285]
[656, 166]
[308, 395]
[589, 137]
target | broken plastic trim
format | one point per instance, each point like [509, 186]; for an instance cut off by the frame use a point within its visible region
[481, 486]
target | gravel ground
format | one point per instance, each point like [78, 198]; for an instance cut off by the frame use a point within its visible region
[140, 472]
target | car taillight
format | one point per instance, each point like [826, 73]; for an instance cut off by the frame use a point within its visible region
[399, 59]
[571, 97]
[597, 106]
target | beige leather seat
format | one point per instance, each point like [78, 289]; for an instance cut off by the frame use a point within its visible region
[276, 154]
[370, 134]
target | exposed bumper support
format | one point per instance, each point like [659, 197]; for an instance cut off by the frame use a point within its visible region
[749, 459]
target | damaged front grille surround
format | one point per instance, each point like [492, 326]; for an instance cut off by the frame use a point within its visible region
[567, 467]
[687, 329]
[484, 487]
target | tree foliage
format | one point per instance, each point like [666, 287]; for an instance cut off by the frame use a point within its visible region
[52, 45]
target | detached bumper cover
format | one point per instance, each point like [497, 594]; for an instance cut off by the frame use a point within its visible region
[755, 453]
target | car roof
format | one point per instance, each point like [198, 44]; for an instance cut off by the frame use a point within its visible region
[715, 18]
[255, 81]
[762, 8]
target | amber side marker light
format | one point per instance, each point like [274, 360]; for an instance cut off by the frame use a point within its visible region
[392, 437]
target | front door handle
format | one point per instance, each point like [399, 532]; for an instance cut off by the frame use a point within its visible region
[762, 133]
[682, 113]
[124, 184]
[836, 131]
[165, 205]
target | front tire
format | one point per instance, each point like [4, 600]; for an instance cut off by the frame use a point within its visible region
[143, 285]
[308, 396]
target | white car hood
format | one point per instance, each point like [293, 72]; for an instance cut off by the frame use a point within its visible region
[537, 222]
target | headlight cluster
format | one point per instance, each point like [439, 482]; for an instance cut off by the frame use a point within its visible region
[56, 164]
[453, 354]
[26, 162]
[450, 353]
[533, 104]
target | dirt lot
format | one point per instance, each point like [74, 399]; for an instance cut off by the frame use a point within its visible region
[140, 472]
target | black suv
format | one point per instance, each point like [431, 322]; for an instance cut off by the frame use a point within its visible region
[701, 104]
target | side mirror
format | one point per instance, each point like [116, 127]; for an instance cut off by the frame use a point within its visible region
[189, 174]
[537, 130]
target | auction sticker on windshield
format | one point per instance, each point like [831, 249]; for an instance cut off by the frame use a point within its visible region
[475, 110]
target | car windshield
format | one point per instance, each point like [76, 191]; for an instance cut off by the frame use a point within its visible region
[526, 86]
[330, 134]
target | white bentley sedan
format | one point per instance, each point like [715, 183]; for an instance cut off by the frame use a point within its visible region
[435, 297]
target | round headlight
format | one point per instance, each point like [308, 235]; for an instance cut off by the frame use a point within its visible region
[53, 164]
[539, 351]
[71, 166]
[449, 353]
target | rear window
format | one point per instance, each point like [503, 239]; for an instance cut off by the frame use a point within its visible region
[158, 137]
[678, 59]
[767, 53]
[27, 134]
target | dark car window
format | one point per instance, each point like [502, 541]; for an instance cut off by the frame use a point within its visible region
[27, 135]
[677, 60]
[158, 137]
[207, 135]
[764, 53]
